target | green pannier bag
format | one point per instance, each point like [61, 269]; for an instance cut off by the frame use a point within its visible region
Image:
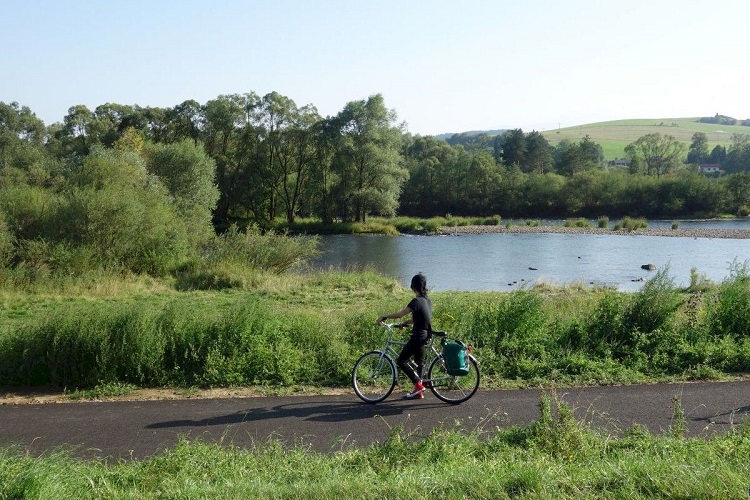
[456, 359]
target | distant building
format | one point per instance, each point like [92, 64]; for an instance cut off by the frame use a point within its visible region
[618, 162]
[710, 168]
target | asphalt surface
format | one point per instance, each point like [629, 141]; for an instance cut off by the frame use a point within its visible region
[139, 429]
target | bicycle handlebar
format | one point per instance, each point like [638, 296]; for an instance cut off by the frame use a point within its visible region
[391, 326]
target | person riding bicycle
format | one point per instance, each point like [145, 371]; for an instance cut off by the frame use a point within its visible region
[420, 308]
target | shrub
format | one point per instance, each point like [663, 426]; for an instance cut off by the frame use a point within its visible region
[579, 222]
[7, 252]
[511, 329]
[730, 314]
[494, 220]
[603, 329]
[188, 173]
[632, 224]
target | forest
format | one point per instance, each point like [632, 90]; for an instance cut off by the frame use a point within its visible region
[145, 186]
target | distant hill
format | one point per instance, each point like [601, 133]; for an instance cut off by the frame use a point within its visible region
[471, 133]
[614, 135]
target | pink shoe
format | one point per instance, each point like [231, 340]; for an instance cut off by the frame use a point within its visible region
[417, 392]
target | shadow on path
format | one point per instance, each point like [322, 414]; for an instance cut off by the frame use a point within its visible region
[729, 416]
[327, 413]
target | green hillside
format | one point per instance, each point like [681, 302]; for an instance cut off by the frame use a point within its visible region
[613, 136]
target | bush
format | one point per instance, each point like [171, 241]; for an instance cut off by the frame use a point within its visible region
[512, 330]
[188, 173]
[113, 215]
[730, 315]
[632, 224]
[7, 252]
[580, 222]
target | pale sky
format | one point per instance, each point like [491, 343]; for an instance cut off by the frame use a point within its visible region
[443, 66]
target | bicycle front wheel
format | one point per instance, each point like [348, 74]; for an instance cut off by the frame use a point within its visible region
[451, 388]
[374, 377]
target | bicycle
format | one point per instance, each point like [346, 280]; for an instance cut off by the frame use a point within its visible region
[375, 373]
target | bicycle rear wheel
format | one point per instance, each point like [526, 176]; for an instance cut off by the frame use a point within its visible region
[450, 388]
[374, 377]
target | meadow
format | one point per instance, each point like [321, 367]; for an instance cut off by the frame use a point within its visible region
[614, 135]
[290, 330]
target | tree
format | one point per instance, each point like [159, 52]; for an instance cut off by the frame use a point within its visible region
[541, 194]
[571, 158]
[232, 137]
[324, 178]
[472, 184]
[538, 156]
[718, 154]
[567, 158]
[738, 156]
[21, 142]
[655, 154]
[698, 151]
[367, 159]
[291, 151]
[738, 189]
[78, 132]
[592, 154]
[510, 148]
[111, 121]
[186, 121]
[188, 173]
[432, 165]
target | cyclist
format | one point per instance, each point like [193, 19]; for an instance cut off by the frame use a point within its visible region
[420, 308]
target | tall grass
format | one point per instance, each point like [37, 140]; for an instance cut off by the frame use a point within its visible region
[286, 330]
[631, 224]
[390, 225]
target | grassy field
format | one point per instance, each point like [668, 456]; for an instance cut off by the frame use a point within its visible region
[291, 330]
[613, 136]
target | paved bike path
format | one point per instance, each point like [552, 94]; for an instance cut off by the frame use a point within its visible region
[138, 429]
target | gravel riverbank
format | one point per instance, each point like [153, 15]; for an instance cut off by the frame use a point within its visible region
[738, 234]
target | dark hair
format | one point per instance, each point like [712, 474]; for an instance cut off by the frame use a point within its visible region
[419, 284]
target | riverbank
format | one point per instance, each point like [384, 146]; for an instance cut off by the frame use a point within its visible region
[739, 234]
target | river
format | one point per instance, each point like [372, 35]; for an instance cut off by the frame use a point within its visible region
[504, 262]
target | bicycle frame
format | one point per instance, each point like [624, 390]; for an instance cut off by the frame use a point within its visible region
[430, 351]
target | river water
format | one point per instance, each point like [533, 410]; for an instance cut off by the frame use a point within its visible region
[504, 262]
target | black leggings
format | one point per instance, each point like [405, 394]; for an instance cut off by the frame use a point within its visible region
[414, 347]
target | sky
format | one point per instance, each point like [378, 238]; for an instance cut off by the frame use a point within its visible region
[442, 66]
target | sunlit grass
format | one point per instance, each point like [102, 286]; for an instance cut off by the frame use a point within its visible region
[613, 136]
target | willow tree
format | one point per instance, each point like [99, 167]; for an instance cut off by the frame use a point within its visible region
[655, 154]
[291, 150]
[367, 160]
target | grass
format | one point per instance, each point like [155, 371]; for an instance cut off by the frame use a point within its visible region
[287, 331]
[613, 136]
[386, 225]
[555, 457]
[295, 330]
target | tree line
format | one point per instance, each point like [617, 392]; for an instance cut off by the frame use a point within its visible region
[258, 159]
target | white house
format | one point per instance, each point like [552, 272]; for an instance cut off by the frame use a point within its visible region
[709, 168]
